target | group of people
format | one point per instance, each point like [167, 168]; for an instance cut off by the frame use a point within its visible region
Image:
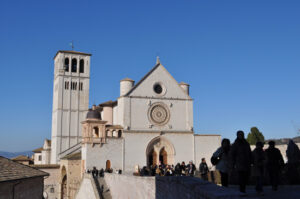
[100, 173]
[238, 157]
[169, 170]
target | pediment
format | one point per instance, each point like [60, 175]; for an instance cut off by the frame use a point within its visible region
[158, 82]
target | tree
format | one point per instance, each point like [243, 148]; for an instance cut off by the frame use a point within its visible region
[254, 136]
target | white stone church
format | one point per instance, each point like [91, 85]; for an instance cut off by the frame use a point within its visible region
[151, 120]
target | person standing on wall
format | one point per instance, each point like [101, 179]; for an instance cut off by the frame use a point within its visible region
[191, 168]
[240, 154]
[222, 164]
[203, 168]
[274, 164]
[258, 156]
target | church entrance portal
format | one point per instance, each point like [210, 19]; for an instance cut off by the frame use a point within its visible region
[160, 150]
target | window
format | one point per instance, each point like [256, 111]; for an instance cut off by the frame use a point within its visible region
[119, 133]
[157, 88]
[67, 85]
[66, 66]
[80, 86]
[40, 157]
[74, 65]
[51, 190]
[81, 66]
[96, 132]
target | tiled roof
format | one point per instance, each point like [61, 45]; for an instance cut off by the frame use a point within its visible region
[22, 158]
[45, 166]
[38, 150]
[114, 127]
[108, 103]
[127, 79]
[10, 170]
[48, 142]
[73, 156]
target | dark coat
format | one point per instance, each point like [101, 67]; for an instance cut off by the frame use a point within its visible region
[258, 156]
[203, 168]
[240, 155]
[274, 159]
[192, 168]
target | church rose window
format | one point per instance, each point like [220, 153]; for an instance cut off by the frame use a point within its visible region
[158, 114]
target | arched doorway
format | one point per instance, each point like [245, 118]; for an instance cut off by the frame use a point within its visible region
[152, 157]
[163, 156]
[64, 194]
[160, 149]
[107, 165]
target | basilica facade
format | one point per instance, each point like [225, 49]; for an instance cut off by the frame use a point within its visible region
[151, 122]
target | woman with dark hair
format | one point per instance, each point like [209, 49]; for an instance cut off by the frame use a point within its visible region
[223, 165]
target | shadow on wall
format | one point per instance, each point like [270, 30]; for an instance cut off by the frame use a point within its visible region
[174, 187]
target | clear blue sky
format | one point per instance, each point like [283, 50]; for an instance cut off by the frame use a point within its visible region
[241, 58]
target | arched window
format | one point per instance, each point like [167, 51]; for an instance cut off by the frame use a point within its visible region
[81, 66]
[74, 65]
[66, 66]
[95, 132]
[119, 133]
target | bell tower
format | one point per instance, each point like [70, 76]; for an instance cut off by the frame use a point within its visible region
[70, 100]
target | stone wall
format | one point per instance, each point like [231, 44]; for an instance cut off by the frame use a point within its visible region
[97, 155]
[205, 146]
[73, 171]
[30, 188]
[127, 186]
[282, 148]
[87, 189]
[51, 183]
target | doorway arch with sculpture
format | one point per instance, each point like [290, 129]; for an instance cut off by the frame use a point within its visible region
[160, 149]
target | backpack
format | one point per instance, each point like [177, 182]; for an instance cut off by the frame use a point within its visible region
[215, 160]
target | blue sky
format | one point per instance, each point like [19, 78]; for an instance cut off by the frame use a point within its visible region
[241, 59]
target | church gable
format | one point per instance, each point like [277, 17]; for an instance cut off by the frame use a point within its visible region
[158, 83]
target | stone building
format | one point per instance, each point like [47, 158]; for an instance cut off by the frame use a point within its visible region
[51, 183]
[42, 155]
[150, 122]
[70, 100]
[20, 181]
[23, 160]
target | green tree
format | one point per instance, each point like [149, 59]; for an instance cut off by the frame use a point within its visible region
[254, 136]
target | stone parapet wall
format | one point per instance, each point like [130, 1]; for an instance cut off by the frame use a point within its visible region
[126, 186]
[87, 188]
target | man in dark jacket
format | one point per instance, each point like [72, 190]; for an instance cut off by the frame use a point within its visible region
[203, 168]
[240, 154]
[191, 168]
[274, 163]
[258, 156]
